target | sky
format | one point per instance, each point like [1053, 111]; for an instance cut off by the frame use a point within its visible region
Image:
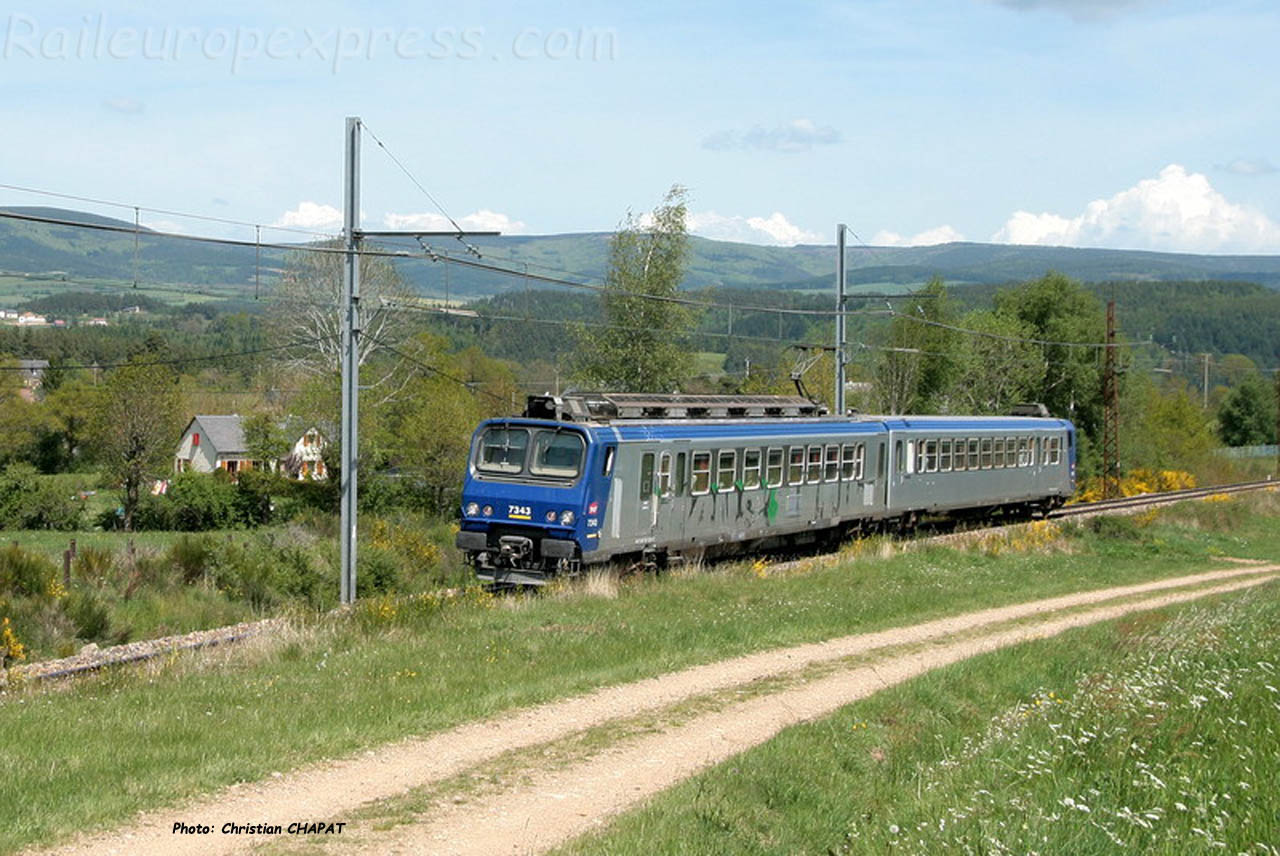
[1131, 124]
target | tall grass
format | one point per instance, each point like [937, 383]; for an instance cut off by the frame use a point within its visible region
[1159, 733]
[399, 666]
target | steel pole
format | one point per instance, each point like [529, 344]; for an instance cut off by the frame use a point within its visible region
[350, 356]
[840, 325]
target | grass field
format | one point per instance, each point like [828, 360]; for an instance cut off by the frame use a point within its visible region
[1155, 734]
[398, 667]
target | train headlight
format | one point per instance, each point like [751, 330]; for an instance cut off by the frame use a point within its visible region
[567, 517]
[487, 511]
[472, 509]
[551, 517]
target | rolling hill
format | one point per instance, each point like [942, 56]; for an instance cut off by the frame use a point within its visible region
[52, 251]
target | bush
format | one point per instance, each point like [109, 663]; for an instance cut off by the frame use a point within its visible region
[94, 565]
[191, 555]
[199, 502]
[28, 501]
[264, 573]
[90, 615]
[26, 574]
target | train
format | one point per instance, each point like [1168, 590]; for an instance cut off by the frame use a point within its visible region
[584, 479]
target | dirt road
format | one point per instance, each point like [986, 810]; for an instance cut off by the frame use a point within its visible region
[543, 809]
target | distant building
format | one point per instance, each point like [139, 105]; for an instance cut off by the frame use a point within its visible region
[131, 310]
[217, 442]
[30, 319]
[96, 322]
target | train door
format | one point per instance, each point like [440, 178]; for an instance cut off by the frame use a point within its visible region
[647, 497]
[670, 479]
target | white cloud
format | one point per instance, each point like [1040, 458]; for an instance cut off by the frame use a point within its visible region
[483, 220]
[774, 230]
[944, 234]
[1177, 211]
[312, 215]
[798, 135]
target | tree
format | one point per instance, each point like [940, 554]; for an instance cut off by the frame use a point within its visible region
[915, 365]
[1248, 416]
[137, 425]
[1057, 309]
[642, 349]
[993, 374]
[265, 439]
[308, 310]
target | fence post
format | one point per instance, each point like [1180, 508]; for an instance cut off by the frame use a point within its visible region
[66, 569]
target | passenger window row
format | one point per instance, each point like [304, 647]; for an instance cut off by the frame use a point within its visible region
[751, 469]
[946, 455]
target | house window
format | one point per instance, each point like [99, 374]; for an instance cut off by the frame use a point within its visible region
[751, 469]
[795, 470]
[773, 473]
[701, 473]
[726, 469]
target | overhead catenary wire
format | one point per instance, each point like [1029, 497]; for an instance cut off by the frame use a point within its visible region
[165, 211]
[471, 385]
[173, 361]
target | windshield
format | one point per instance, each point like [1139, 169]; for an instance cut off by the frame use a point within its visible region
[505, 451]
[502, 450]
[557, 454]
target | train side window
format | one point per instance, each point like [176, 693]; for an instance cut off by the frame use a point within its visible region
[726, 469]
[986, 453]
[646, 477]
[1011, 452]
[919, 456]
[751, 469]
[1022, 451]
[882, 461]
[831, 471]
[860, 462]
[961, 445]
[973, 453]
[606, 469]
[931, 456]
[795, 470]
[813, 474]
[664, 475]
[1055, 451]
[680, 461]
[997, 457]
[899, 460]
[701, 473]
[849, 462]
[773, 474]
[1036, 450]
[944, 456]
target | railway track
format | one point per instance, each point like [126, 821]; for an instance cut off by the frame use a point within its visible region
[92, 659]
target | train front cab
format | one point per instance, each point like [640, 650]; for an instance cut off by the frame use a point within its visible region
[533, 498]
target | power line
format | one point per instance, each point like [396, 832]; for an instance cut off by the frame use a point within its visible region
[480, 316]
[181, 360]
[441, 372]
[167, 212]
[412, 178]
[1095, 345]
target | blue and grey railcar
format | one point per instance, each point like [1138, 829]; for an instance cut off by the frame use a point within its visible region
[586, 479]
